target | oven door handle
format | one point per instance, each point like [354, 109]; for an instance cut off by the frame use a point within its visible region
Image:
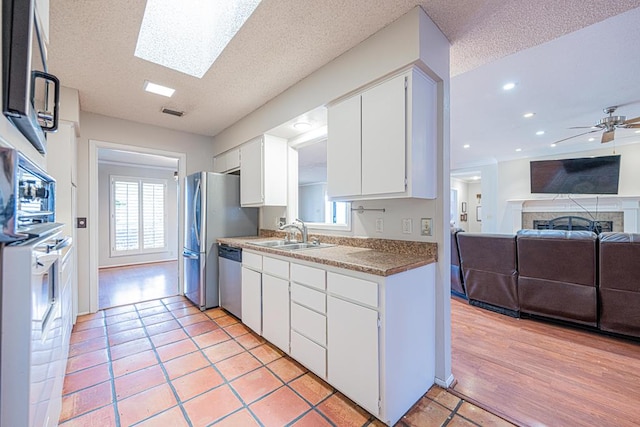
[44, 261]
[61, 244]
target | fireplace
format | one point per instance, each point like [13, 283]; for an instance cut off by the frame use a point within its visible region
[574, 223]
[623, 211]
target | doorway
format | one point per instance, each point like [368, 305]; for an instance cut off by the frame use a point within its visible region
[134, 217]
[466, 205]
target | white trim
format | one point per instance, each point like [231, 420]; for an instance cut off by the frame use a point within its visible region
[135, 165]
[94, 145]
[446, 383]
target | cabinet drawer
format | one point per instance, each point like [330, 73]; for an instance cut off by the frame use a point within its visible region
[275, 267]
[309, 354]
[309, 276]
[360, 290]
[309, 297]
[309, 323]
[252, 260]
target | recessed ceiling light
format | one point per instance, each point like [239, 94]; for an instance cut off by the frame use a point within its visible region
[158, 89]
[528, 115]
[466, 146]
[475, 178]
[540, 132]
[553, 145]
[302, 126]
[591, 139]
[518, 150]
[509, 86]
[189, 35]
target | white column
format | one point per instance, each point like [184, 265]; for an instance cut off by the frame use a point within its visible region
[630, 211]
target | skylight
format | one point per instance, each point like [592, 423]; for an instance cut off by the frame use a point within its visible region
[189, 35]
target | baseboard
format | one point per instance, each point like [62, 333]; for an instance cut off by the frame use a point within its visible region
[491, 307]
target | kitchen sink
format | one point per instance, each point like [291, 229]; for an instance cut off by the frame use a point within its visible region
[271, 243]
[290, 246]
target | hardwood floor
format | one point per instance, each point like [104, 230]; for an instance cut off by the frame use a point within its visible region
[538, 373]
[137, 283]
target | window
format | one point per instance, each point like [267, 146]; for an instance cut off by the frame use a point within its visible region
[138, 215]
[314, 207]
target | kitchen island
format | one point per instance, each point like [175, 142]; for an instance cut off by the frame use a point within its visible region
[360, 317]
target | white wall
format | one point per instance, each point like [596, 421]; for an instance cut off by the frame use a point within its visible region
[198, 150]
[105, 171]
[514, 180]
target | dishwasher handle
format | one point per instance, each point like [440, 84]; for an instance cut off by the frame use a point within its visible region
[230, 252]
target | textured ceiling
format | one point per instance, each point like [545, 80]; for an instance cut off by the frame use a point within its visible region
[92, 44]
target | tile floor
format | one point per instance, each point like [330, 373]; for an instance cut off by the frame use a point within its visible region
[165, 363]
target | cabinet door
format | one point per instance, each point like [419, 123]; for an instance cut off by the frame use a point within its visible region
[252, 299]
[384, 138]
[343, 149]
[220, 163]
[251, 173]
[352, 347]
[275, 311]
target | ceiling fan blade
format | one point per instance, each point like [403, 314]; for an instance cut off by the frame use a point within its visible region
[575, 136]
[582, 127]
[607, 136]
[633, 126]
[636, 119]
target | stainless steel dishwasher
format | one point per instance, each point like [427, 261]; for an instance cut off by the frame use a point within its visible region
[230, 278]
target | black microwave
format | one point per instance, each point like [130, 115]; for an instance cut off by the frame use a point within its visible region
[30, 94]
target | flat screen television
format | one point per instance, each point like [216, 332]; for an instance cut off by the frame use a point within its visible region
[587, 175]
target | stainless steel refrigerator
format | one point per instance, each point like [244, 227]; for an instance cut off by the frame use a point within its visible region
[212, 210]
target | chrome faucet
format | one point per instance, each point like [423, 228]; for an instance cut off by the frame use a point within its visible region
[302, 228]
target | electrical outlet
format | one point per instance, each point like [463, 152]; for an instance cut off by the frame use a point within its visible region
[281, 221]
[379, 225]
[406, 225]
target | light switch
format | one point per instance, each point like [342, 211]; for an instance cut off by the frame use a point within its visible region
[379, 225]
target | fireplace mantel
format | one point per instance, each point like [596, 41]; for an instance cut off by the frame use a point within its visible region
[628, 205]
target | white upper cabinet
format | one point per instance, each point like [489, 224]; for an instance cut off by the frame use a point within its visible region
[382, 142]
[383, 138]
[263, 172]
[228, 161]
[344, 148]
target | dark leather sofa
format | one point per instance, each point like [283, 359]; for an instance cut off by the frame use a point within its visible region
[558, 274]
[457, 283]
[620, 283]
[489, 268]
[573, 276]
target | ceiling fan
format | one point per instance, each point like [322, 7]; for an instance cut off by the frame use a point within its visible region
[608, 124]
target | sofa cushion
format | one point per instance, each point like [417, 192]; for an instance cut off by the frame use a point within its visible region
[489, 268]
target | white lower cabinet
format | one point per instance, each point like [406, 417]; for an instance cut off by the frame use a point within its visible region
[353, 363]
[275, 311]
[371, 337]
